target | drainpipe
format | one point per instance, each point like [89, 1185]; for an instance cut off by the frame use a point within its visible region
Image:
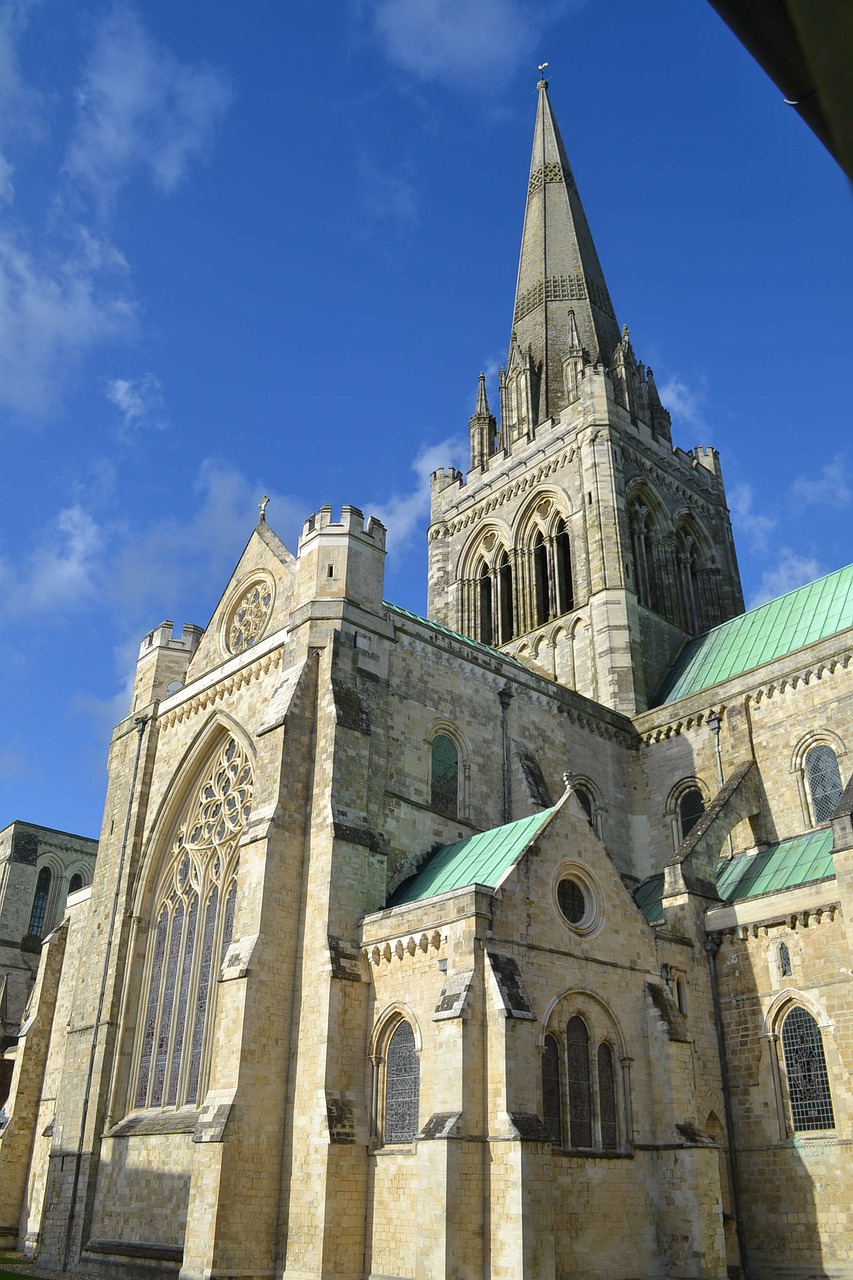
[711, 946]
[140, 723]
[713, 722]
[505, 698]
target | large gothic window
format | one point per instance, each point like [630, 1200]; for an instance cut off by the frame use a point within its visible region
[191, 926]
[402, 1086]
[824, 781]
[444, 779]
[805, 1067]
[39, 911]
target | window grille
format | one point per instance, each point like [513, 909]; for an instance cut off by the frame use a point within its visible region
[808, 1083]
[824, 781]
[402, 1086]
[607, 1098]
[580, 1091]
[691, 806]
[39, 911]
[572, 902]
[194, 909]
[551, 1110]
[445, 776]
[784, 960]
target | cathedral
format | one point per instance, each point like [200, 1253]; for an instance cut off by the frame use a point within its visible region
[507, 942]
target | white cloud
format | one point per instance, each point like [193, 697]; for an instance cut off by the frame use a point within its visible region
[792, 570]
[462, 42]
[140, 108]
[832, 488]
[55, 307]
[746, 520]
[406, 513]
[684, 403]
[139, 402]
[60, 574]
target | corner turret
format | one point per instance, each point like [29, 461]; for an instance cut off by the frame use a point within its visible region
[341, 560]
[482, 428]
[163, 661]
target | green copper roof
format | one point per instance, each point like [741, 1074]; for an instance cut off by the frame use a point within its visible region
[781, 626]
[800, 860]
[452, 635]
[481, 859]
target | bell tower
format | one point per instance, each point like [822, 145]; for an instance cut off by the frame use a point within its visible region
[580, 539]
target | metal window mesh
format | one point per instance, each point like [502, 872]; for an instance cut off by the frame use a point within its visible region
[607, 1098]
[445, 775]
[691, 806]
[824, 781]
[571, 900]
[580, 1092]
[402, 1086]
[808, 1084]
[551, 1111]
[39, 910]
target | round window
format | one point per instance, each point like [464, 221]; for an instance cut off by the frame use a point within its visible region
[247, 619]
[571, 900]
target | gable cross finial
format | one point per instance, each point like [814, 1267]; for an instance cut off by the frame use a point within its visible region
[262, 507]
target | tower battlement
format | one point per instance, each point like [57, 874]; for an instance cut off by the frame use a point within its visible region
[351, 523]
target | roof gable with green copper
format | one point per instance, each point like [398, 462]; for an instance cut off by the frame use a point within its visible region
[771, 631]
[785, 865]
[484, 859]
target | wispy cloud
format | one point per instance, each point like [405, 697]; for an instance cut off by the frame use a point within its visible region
[387, 197]
[790, 571]
[684, 402]
[21, 105]
[832, 488]
[461, 42]
[60, 575]
[139, 402]
[141, 109]
[755, 526]
[406, 512]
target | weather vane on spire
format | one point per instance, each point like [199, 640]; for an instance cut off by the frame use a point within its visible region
[542, 66]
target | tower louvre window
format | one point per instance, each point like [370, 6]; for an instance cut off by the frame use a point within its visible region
[506, 611]
[485, 591]
[563, 555]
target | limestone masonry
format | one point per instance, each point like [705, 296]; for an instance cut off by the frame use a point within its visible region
[511, 942]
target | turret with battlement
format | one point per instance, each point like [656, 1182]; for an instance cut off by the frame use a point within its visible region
[342, 559]
[163, 661]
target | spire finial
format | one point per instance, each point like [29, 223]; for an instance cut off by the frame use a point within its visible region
[543, 83]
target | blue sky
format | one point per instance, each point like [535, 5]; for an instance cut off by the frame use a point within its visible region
[267, 248]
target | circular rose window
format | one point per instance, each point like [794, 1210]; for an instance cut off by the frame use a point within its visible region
[248, 618]
[577, 898]
[572, 902]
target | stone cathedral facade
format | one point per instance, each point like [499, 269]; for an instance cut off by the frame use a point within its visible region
[507, 942]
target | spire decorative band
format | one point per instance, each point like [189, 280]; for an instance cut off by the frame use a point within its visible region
[551, 172]
[570, 287]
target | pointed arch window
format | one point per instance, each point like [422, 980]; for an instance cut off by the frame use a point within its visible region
[484, 583]
[580, 1084]
[607, 1098]
[39, 911]
[552, 1114]
[541, 580]
[402, 1086]
[824, 779]
[563, 557]
[805, 1067]
[505, 603]
[691, 806]
[192, 926]
[444, 776]
[785, 970]
[75, 883]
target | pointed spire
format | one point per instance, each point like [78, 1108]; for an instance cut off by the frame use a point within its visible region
[558, 268]
[482, 428]
[482, 410]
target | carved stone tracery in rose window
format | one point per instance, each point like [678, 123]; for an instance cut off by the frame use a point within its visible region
[249, 617]
[192, 922]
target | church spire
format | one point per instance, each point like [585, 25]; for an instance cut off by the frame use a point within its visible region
[558, 273]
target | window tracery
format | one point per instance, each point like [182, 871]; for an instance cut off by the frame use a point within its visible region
[805, 1066]
[402, 1086]
[248, 618]
[194, 905]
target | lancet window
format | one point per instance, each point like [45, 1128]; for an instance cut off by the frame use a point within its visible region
[444, 777]
[805, 1067]
[402, 1086]
[192, 923]
[495, 602]
[551, 591]
[39, 911]
[824, 780]
[579, 1091]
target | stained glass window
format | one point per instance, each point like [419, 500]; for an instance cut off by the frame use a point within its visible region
[607, 1098]
[445, 775]
[402, 1086]
[194, 906]
[808, 1083]
[824, 781]
[39, 910]
[580, 1091]
[551, 1110]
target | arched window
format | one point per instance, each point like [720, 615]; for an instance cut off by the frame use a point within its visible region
[586, 802]
[580, 1085]
[541, 581]
[552, 1115]
[691, 806]
[484, 579]
[607, 1098]
[39, 911]
[75, 883]
[824, 781]
[805, 1067]
[507, 621]
[784, 961]
[192, 923]
[563, 554]
[444, 776]
[402, 1086]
